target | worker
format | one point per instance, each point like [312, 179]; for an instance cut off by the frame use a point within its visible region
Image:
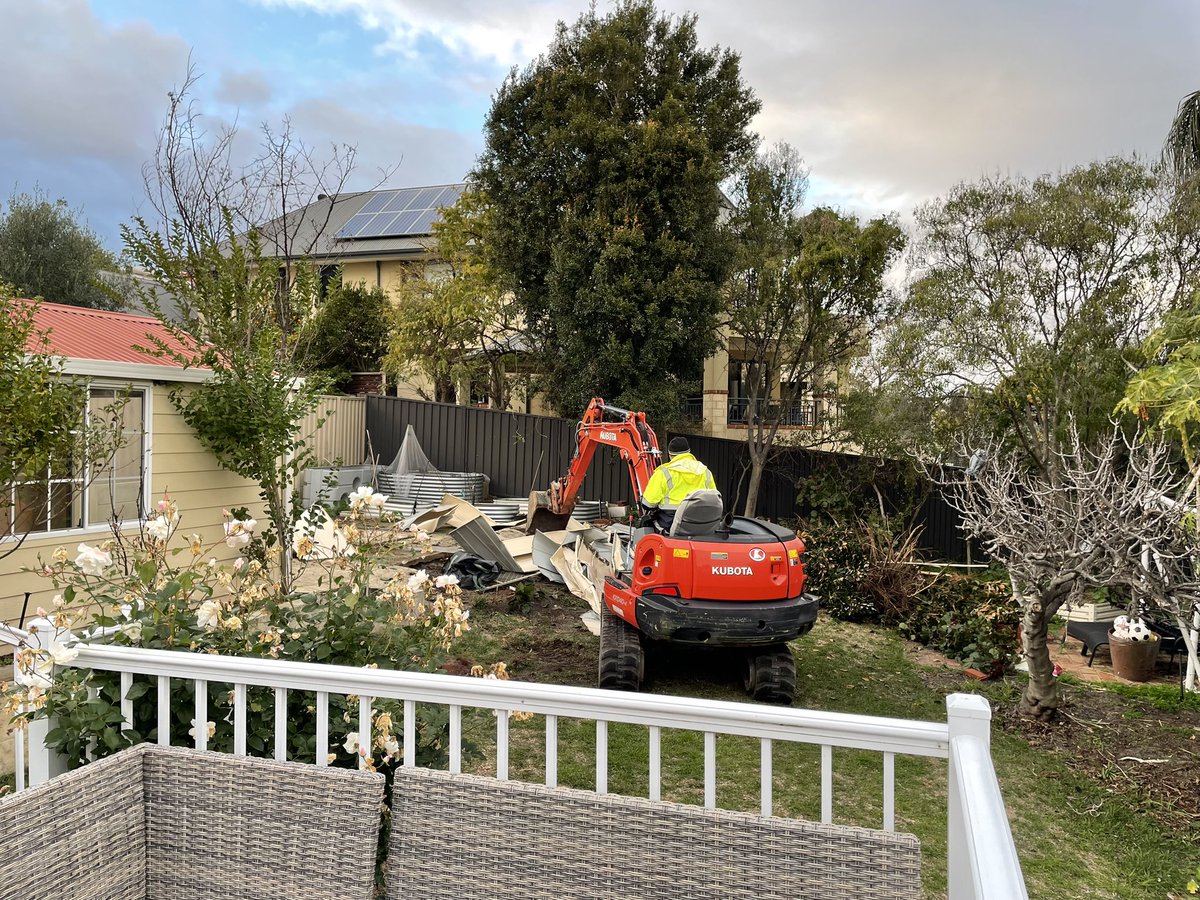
[672, 481]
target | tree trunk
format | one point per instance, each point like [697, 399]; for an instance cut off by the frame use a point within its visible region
[1042, 697]
[756, 471]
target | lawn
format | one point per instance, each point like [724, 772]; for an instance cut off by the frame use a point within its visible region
[1081, 831]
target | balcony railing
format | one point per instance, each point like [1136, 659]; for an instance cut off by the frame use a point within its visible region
[982, 859]
[692, 410]
[796, 414]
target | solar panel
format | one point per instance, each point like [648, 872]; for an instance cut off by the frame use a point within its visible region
[377, 202]
[401, 213]
[350, 229]
[401, 200]
[405, 221]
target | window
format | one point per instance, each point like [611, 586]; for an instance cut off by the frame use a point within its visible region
[82, 493]
[330, 276]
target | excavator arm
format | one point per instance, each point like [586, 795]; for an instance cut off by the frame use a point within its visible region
[602, 425]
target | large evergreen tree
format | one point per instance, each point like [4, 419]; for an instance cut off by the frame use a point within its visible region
[602, 165]
[45, 252]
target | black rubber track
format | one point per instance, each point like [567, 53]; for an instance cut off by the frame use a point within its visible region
[771, 674]
[622, 658]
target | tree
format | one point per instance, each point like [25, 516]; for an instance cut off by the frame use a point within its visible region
[1087, 527]
[248, 413]
[45, 252]
[348, 333]
[806, 291]
[204, 192]
[602, 165]
[454, 321]
[1031, 298]
[1030, 303]
[43, 414]
[1181, 151]
[1166, 396]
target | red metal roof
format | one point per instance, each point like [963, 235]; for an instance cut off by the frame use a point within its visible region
[76, 332]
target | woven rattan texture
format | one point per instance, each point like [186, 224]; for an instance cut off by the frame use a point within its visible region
[237, 828]
[79, 836]
[457, 836]
[166, 823]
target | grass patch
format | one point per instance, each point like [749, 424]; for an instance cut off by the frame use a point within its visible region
[1161, 696]
[1075, 837]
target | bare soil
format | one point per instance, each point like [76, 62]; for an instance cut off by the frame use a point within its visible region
[1146, 755]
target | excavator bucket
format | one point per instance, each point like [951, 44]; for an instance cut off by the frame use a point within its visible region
[541, 517]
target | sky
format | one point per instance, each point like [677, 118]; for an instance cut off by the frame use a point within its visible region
[890, 102]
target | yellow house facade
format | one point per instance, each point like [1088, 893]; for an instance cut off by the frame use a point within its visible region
[160, 455]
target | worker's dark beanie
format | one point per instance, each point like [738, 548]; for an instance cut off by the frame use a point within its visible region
[679, 444]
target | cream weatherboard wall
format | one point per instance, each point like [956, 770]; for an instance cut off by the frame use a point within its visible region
[178, 464]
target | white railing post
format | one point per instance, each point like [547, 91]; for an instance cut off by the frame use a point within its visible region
[966, 715]
[44, 763]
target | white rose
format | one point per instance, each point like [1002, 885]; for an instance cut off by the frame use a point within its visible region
[352, 743]
[391, 746]
[418, 580]
[238, 532]
[159, 528]
[61, 653]
[445, 581]
[208, 615]
[211, 729]
[93, 560]
[361, 497]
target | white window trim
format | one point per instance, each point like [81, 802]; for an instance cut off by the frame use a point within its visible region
[147, 389]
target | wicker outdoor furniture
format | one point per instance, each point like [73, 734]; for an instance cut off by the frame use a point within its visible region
[163, 822]
[458, 836]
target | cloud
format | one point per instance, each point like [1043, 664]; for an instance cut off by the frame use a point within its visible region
[244, 89]
[81, 117]
[408, 154]
[890, 103]
[507, 33]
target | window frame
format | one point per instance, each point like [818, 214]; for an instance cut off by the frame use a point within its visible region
[146, 389]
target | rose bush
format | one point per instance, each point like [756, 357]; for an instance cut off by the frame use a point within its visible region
[146, 592]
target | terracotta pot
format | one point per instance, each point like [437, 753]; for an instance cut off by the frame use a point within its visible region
[1133, 660]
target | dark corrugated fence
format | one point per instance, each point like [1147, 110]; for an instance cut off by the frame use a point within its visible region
[520, 452]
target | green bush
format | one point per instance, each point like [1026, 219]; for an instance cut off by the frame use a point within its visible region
[863, 574]
[836, 562]
[973, 620]
[146, 593]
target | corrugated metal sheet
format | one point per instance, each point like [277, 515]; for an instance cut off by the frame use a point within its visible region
[76, 332]
[336, 431]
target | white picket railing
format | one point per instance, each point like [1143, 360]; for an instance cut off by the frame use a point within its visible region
[982, 857]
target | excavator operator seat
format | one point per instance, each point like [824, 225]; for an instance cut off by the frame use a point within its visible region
[698, 514]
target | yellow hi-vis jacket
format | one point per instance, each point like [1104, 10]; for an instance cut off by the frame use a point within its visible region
[675, 479]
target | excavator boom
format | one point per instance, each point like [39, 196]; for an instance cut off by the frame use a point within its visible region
[602, 425]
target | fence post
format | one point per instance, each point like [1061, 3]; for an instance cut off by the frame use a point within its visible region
[967, 715]
[44, 763]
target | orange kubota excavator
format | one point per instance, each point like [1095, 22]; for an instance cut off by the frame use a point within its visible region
[712, 579]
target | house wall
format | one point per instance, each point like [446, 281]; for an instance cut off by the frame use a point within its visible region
[178, 465]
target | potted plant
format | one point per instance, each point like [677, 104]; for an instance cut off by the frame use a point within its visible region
[1134, 648]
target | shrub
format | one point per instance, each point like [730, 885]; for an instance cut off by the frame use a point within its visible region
[836, 562]
[148, 594]
[865, 574]
[973, 620]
